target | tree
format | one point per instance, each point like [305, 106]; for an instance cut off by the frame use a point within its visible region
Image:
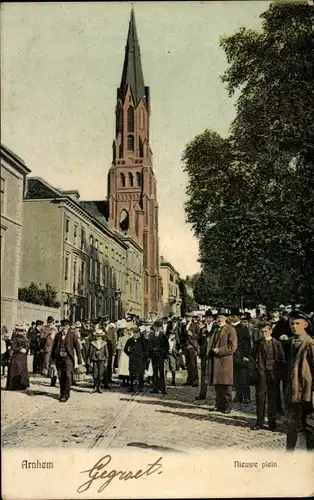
[254, 223]
[35, 295]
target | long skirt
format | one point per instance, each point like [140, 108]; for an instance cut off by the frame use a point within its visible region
[18, 378]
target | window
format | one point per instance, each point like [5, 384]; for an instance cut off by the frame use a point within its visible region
[82, 280]
[101, 248]
[131, 181]
[91, 240]
[112, 254]
[66, 266]
[74, 276]
[75, 233]
[122, 179]
[140, 148]
[67, 229]
[124, 221]
[130, 142]
[138, 178]
[130, 119]
[145, 250]
[91, 268]
[96, 244]
[120, 120]
[171, 277]
[106, 251]
[98, 272]
[2, 195]
[121, 150]
[141, 118]
[82, 239]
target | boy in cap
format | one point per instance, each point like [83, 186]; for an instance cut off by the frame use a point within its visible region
[299, 392]
[98, 356]
[269, 357]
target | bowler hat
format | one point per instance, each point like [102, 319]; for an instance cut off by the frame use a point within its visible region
[222, 312]
[158, 323]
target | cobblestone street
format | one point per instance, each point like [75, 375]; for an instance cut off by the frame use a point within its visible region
[116, 419]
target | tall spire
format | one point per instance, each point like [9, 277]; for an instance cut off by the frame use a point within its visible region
[132, 73]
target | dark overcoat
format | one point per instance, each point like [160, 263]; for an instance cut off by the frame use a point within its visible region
[136, 349]
[71, 344]
[219, 369]
[259, 357]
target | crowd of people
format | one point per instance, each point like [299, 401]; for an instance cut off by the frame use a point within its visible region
[235, 352]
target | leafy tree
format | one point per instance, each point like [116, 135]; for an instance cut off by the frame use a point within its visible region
[35, 295]
[251, 195]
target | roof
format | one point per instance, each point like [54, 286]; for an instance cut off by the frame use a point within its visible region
[14, 160]
[97, 209]
[132, 73]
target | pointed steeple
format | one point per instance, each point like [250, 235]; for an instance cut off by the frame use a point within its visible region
[132, 73]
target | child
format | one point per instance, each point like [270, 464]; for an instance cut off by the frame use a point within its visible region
[269, 357]
[136, 349]
[171, 360]
[98, 356]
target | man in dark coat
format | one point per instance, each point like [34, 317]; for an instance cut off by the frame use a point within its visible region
[62, 355]
[220, 350]
[98, 357]
[241, 361]
[191, 352]
[269, 358]
[136, 349]
[205, 333]
[158, 348]
[300, 382]
[35, 346]
[282, 329]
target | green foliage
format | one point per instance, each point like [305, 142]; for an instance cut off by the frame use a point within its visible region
[190, 304]
[251, 195]
[36, 295]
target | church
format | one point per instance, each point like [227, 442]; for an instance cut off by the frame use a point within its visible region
[100, 256]
[132, 187]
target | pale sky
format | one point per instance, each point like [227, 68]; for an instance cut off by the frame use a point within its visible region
[61, 66]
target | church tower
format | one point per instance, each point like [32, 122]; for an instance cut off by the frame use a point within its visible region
[132, 190]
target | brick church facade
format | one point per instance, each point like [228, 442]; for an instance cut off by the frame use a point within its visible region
[132, 187]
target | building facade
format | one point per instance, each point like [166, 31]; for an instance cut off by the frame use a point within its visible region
[171, 295]
[132, 187]
[13, 182]
[67, 243]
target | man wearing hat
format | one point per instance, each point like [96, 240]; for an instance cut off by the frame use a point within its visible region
[300, 382]
[136, 350]
[220, 350]
[206, 331]
[64, 345]
[98, 356]
[158, 348]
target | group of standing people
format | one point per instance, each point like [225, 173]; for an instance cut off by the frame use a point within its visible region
[235, 352]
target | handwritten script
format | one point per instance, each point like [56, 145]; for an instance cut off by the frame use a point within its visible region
[100, 471]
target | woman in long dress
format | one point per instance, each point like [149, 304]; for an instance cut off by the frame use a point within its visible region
[123, 369]
[18, 378]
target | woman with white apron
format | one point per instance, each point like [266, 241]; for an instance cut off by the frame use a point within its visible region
[123, 368]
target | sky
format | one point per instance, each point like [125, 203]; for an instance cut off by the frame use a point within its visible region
[61, 66]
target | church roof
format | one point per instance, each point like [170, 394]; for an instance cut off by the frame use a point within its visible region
[132, 73]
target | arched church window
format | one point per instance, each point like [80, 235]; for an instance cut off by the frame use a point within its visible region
[130, 119]
[122, 178]
[141, 119]
[140, 147]
[124, 221]
[120, 120]
[131, 179]
[130, 142]
[138, 178]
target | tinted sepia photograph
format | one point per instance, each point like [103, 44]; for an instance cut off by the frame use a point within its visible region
[157, 249]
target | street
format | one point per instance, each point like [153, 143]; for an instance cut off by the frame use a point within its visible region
[117, 419]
